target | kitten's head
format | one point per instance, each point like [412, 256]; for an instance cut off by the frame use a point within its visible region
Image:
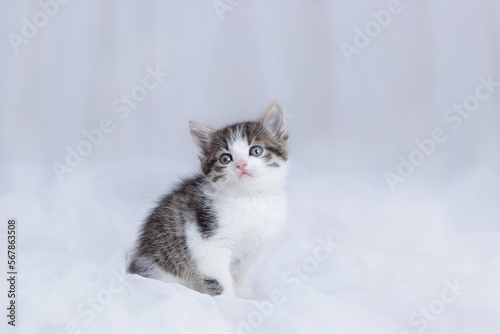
[248, 156]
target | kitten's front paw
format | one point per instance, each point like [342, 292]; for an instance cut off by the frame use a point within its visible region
[245, 293]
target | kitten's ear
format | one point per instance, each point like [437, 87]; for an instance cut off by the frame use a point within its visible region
[201, 137]
[273, 120]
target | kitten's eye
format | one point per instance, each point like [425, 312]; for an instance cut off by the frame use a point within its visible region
[225, 159]
[256, 151]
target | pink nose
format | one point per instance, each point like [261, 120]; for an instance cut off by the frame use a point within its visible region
[241, 165]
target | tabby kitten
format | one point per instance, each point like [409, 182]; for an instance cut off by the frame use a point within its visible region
[204, 233]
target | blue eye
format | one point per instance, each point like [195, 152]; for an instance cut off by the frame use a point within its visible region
[225, 159]
[256, 151]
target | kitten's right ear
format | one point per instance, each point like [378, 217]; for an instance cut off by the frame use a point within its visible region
[201, 137]
[273, 120]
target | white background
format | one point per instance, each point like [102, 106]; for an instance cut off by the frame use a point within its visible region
[349, 123]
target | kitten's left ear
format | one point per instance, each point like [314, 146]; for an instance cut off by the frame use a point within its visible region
[201, 137]
[273, 120]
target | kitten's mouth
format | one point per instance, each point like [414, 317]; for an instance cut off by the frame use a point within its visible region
[245, 174]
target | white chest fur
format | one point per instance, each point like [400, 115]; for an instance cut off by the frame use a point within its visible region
[246, 222]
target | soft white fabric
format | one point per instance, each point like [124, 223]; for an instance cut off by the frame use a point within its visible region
[354, 257]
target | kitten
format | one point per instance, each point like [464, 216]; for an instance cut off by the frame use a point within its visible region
[204, 233]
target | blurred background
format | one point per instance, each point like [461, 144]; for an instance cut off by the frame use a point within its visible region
[392, 107]
[348, 116]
